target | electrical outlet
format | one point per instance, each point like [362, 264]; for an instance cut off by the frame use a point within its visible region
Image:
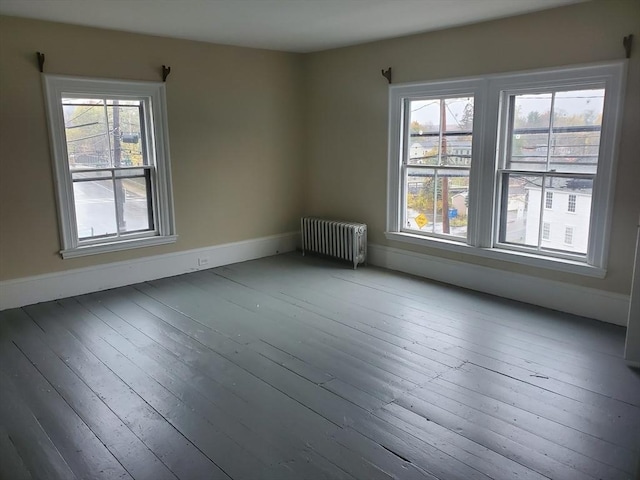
[203, 261]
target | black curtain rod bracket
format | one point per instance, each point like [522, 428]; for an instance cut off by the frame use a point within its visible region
[165, 72]
[627, 41]
[40, 61]
[387, 74]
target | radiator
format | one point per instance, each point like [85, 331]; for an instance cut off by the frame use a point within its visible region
[345, 240]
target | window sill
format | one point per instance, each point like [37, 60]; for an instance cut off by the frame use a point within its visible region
[522, 258]
[98, 248]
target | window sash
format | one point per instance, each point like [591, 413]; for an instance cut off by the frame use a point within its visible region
[506, 129]
[406, 164]
[148, 175]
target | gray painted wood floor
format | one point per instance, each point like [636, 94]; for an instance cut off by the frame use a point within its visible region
[290, 367]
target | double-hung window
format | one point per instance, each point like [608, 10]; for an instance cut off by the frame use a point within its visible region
[111, 157]
[492, 166]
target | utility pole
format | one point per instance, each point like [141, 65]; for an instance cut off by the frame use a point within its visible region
[117, 161]
[445, 178]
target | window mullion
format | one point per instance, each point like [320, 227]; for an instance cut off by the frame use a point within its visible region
[115, 201]
[543, 200]
[106, 120]
[549, 140]
[435, 197]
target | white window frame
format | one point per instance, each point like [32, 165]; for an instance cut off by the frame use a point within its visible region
[397, 127]
[570, 203]
[154, 97]
[546, 231]
[489, 94]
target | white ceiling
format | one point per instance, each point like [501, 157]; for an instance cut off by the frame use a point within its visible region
[289, 25]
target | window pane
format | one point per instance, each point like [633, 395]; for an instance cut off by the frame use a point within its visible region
[530, 131]
[556, 131]
[440, 131]
[86, 131]
[125, 134]
[577, 117]
[136, 209]
[95, 208]
[520, 223]
[520, 219]
[103, 135]
[429, 193]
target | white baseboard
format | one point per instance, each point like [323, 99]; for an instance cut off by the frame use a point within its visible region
[41, 288]
[588, 302]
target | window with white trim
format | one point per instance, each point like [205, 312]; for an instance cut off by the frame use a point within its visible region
[529, 139]
[111, 157]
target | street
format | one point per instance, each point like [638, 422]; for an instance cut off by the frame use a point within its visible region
[96, 209]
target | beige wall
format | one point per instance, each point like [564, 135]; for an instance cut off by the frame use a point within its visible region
[235, 130]
[346, 145]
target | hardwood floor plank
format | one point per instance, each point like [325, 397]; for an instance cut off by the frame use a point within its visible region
[208, 366]
[321, 401]
[382, 458]
[134, 456]
[216, 408]
[336, 334]
[560, 435]
[326, 409]
[82, 451]
[591, 393]
[191, 421]
[298, 368]
[417, 451]
[611, 425]
[458, 446]
[306, 326]
[430, 403]
[36, 451]
[177, 452]
[277, 416]
[569, 332]
[361, 374]
[421, 321]
[11, 464]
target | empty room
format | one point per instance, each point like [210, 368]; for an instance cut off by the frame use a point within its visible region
[320, 239]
